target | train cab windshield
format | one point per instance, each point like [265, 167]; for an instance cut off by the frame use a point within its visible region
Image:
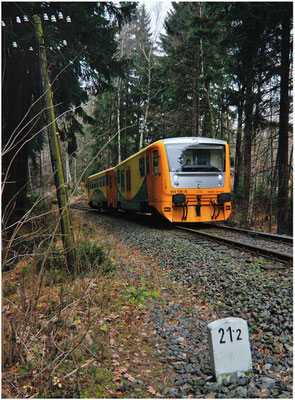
[201, 158]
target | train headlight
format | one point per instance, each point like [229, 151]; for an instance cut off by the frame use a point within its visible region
[220, 177]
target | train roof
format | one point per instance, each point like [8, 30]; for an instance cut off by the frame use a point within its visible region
[99, 173]
[192, 140]
[177, 140]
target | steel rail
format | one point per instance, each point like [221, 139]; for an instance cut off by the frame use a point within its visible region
[81, 208]
[283, 257]
[265, 235]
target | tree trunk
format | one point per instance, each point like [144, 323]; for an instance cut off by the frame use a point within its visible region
[208, 124]
[238, 156]
[119, 121]
[248, 149]
[283, 221]
[196, 94]
[75, 171]
[68, 172]
[148, 100]
[12, 145]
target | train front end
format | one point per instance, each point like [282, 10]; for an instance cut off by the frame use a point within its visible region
[196, 180]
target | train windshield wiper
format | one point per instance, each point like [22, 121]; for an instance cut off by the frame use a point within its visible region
[203, 168]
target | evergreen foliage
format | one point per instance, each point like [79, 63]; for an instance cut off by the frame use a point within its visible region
[130, 96]
[86, 64]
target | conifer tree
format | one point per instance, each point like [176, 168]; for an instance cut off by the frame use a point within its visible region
[193, 68]
[253, 35]
[284, 220]
[135, 91]
[82, 58]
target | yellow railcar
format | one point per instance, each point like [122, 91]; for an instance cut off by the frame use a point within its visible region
[183, 179]
[101, 189]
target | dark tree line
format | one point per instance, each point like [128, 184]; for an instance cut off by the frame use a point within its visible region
[81, 59]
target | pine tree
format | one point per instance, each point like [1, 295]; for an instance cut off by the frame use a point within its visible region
[194, 68]
[135, 91]
[284, 220]
[88, 58]
[253, 37]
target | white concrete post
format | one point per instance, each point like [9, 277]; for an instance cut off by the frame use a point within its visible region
[229, 348]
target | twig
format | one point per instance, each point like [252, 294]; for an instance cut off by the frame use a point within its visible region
[68, 353]
[77, 369]
[13, 385]
[4, 298]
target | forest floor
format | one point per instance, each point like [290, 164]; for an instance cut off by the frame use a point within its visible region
[83, 338]
[120, 329]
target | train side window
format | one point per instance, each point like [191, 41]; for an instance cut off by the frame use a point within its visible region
[107, 180]
[147, 164]
[123, 181]
[156, 162]
[128, 180]
[141, 167]
[110, 182]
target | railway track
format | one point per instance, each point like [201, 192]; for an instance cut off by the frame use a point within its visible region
[263, 235]
[81, 208]
[264, 248]
[283, 256]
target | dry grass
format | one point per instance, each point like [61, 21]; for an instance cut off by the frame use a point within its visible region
[65, 338]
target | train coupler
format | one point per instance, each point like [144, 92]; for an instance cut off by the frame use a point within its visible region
[179, 200]
[215, 206]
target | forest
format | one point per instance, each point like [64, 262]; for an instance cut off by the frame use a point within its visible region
[86, 85]
[221, 70]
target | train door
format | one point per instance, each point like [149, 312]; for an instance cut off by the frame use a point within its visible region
[117, 191]
[128, 183]
[156, 175]
[111, 188]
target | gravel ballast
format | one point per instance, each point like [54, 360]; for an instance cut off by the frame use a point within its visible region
[219, 286]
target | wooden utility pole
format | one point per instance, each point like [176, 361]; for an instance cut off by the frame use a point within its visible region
[56, 161]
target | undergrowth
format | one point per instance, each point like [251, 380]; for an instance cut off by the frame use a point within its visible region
[50, 323]
[59, 331]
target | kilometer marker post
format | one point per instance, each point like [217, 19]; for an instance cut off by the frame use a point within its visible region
[62, 195]
[229, 348]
